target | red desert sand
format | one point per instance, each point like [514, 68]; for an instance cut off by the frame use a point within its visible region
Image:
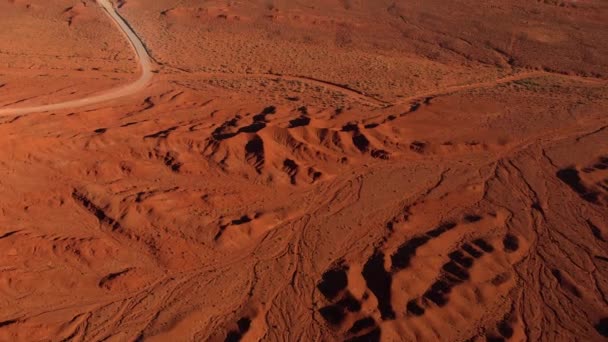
[320, 170]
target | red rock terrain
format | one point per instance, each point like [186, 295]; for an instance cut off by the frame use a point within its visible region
[304, 171]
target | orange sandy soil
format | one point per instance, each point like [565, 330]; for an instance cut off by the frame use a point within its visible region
[307, 171]
[56, 50]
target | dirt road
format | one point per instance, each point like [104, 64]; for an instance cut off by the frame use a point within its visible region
[145, 66]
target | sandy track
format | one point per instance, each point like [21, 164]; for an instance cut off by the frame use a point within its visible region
[375, 101]
[115, 93]
[491, 84]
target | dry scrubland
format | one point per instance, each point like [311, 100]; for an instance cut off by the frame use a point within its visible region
[306, 170]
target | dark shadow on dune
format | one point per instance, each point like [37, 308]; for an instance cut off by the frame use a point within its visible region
[571, 177]
[299, 122]
[379, 281]
[333, 282]
[602, 327]
[361, 325]
[243, 325]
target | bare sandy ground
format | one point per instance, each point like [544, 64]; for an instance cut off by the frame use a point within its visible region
[143, 59]
[328, 170]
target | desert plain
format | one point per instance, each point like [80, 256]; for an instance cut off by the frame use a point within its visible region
[289, 170]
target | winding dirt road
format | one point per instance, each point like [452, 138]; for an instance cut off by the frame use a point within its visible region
[115, 93]
[146, 75]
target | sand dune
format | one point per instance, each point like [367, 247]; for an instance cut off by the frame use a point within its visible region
[329, 170]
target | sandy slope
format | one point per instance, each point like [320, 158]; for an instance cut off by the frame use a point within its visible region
[280, 198]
